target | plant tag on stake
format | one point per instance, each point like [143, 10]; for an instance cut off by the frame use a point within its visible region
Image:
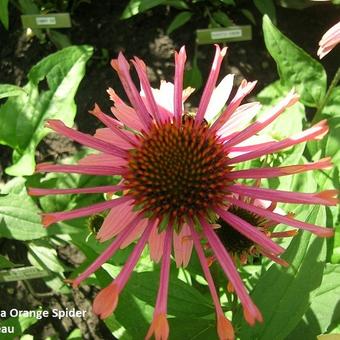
[217, 35]
[53, 20]
[25, 273]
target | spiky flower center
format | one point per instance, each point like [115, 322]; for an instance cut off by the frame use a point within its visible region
[178, 171]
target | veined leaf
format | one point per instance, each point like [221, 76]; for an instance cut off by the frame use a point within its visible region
[283, 290]
[8, 90]
[296, 68]
[22, 118]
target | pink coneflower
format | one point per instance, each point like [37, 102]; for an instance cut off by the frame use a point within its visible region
[329, 40]
[178, 179]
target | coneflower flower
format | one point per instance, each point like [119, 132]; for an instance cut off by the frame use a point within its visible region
[178, 179]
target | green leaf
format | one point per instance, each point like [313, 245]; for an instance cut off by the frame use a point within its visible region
[323, 310]
[19, 324]
[193, 76]
[283, 290]
[296, 68]
[193, 329]
[22, 118]
[332, 108]
[266, 7]
[4, 13]
[4, 263]
[222, 18]
[8, 90]
[43, 256]
[179, 20]
[135, 7]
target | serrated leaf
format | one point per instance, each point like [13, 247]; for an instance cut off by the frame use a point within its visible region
[277, 290]
[323, 310]
[8, 90]
[179, 20]
[296, 68]
[22, 118]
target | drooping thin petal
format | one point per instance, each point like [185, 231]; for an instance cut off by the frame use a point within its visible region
[54, 217]
[323, 197]
[258, 173]
[180, 59]
[320, 231]
[125, 113]
[106, 301]
[224, 327]
[145, 85]
[265, 119]
[139, 229]
[251, 312]
[89, 190]
[85, 139]
[159, 325]
[242, 91]
[182, 246]
[122, 67]
[126, 138]
[249, 231]
[241, 118]
[329, 40]
[102, 159]
[98, 170]
[316, 132]
[156, 244]
[108, 252]
[210, 85]
[115, 221]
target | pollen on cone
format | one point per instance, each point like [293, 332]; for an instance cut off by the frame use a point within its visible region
[106, 301]
[225, 329]
[159, 327]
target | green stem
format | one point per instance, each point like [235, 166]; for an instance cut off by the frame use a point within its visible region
[318, 113]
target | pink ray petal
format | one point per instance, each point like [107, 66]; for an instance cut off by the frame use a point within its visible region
[102, 159]
[106, 135]
[125, 113]
[115, 221]
[241, 117]
[106, 301]
[180, 59]
[140, 227]
[54, 217]
[265, 119]
[156, 244]
[324, 197]
[318, 230]
[251, 312]
[249, 231]
[146, 88]
[124, 137]
[98, 170]
[224, 327]
[242, 91]
[210, 85]
[324, 163]
[219, 98]
[182, 246]
[122, 68]
[108, 252]
[89, 190]
[159, 325]
[85, 139]
[316, 132]
[274, 258]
